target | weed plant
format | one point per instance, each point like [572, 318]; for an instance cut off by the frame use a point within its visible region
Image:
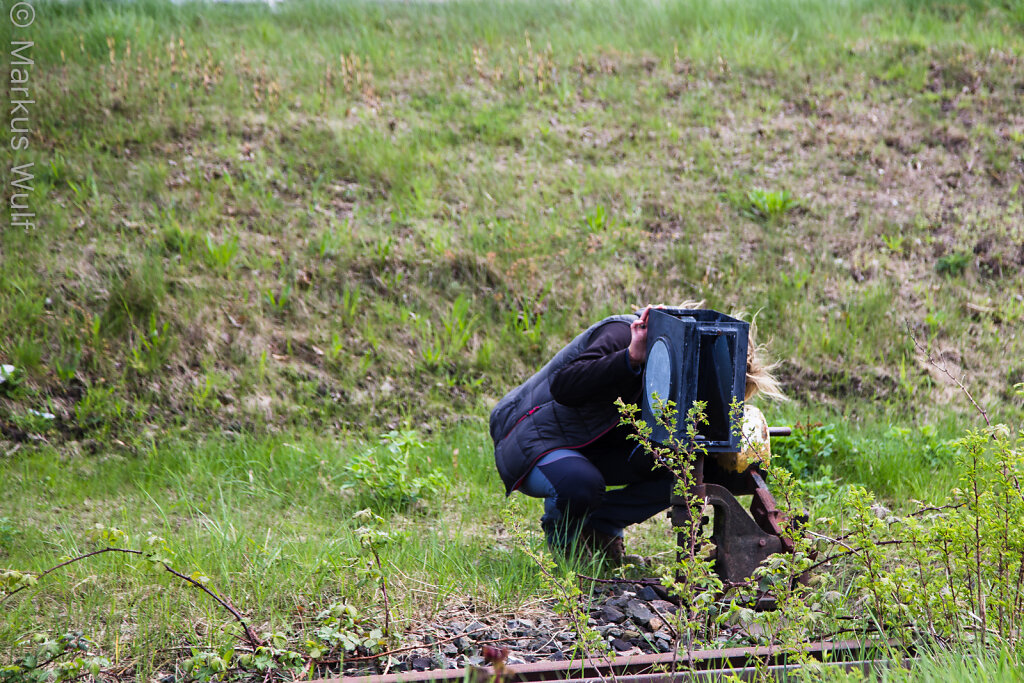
[954, 582]
[770, 204]
[691, 578]
[385, 476]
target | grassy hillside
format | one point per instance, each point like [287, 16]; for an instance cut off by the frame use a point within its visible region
[357, 214]
[266, 237]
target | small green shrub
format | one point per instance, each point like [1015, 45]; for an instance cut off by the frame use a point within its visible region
[441, 346]
[65, 658]
[281, 301]
[152, 346]
[770, 204]
[176, 240]
[597, 219]
[348, 305]
[808, 450]
[56, 172]
[101, 409]
[135, 295]
[11, 378]
[953, 264]
[339, 630]
[342, 627]
[220, 255]
[894, 243]
[385, 477]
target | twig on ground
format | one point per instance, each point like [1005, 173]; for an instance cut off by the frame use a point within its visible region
[838, 540]
[550, 640]
[945, 370]
[384, 592]
[224, 602]
[850, 552]
[665, 620]
[71, 561]
[640, 582]
[305, 670]
[936, 508]
[366, 658]
[498, 640]
[254, 642]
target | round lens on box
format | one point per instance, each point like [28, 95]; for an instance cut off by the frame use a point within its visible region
[658, 373]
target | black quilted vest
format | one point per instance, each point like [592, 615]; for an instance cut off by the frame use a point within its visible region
[528, 423]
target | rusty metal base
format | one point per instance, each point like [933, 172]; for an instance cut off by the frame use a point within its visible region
[742, 541]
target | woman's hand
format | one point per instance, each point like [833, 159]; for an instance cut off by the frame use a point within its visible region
[638, 338]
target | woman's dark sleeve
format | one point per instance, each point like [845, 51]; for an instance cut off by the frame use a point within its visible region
[602, 373]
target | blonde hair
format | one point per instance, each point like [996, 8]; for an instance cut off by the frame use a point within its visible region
[760, 377]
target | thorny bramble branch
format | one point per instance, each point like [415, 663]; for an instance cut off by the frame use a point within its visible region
[250, 636]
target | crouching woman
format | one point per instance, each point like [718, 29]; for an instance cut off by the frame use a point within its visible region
[558, 436]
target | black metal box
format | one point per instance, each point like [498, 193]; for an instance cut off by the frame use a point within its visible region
[696, 355]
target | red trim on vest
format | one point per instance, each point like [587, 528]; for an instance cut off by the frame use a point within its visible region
[528, 414]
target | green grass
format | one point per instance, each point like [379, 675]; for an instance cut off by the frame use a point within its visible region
[269, 520]
[1001, 665]
[265, 236]
[233, 179]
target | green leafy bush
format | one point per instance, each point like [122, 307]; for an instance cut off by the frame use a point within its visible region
[957, 576]
[8, 534]
[953, 264]
[385, 476]
[809, 450]
[770, 204]
[341, 626]
[51, 660]
[10, 380]
[936, 452]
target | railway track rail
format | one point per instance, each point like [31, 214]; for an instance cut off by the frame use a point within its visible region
[756, 663]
